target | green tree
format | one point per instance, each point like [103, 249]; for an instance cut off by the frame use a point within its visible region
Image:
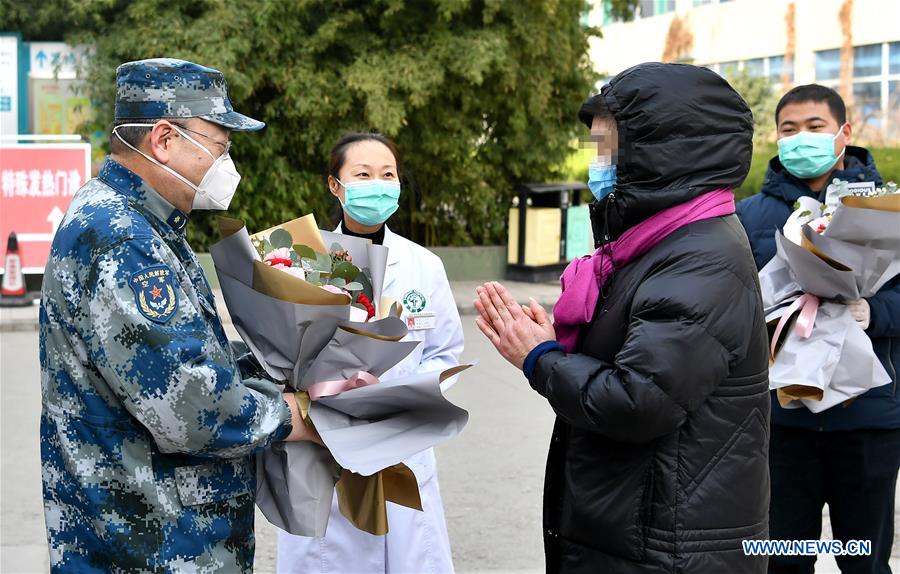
[480, 95]
[758, 93]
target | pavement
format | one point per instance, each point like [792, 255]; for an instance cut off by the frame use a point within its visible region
[491, 475]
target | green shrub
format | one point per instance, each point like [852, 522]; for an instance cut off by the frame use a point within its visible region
[479, 96]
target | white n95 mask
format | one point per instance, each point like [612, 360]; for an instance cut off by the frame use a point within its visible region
[218, 185]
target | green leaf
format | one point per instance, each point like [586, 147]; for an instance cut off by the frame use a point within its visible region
[323, 262]
[346, 270]
[314, 277]
[806, 213]
[281, 238]
[353, 287]
[337, 282]
[336, 247]
[304, 251]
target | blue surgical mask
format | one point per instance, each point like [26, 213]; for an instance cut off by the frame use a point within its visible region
[808, 154]
[371, 201]
[601, 180]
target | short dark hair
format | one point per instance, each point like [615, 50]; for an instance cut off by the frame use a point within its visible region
[132, 135]
[815, 93]
[339, 151]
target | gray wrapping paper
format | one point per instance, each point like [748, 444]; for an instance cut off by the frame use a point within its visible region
[366, 429]
[346, 352]
[366, 255]
[295, 485]
[402, 417]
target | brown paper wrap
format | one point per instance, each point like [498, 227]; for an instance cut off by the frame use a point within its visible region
[796, 392]
[363, 499]
[286, 287]
[890, 202]
[303, 230]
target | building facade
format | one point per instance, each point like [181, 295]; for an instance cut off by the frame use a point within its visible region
[850, 45]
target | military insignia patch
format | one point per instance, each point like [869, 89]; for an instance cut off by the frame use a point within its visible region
[155, 293]
[414, 301]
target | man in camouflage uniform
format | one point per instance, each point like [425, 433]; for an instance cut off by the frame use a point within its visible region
[147, 422]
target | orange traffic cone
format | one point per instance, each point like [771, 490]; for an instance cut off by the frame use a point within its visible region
[12, 291]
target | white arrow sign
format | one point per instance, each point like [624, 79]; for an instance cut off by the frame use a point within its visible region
[54, 218]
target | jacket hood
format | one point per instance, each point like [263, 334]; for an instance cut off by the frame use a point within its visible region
[859, 165]
[683, 131]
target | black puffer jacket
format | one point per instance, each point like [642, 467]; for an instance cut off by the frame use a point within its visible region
[658, 460]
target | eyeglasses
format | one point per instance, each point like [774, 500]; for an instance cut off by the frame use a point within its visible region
[226, 146]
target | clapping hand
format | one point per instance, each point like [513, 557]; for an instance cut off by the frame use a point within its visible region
[514, 330]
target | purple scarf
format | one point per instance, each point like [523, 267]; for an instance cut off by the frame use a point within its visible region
[583, 278]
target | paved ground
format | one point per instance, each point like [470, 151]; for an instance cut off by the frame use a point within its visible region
[490, 476]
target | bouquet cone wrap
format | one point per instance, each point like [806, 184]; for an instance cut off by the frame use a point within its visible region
[302, 336]
[820, 356]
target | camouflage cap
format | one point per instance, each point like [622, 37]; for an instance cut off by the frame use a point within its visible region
[169, 88]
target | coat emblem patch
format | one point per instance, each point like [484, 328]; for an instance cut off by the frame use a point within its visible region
[155, 293]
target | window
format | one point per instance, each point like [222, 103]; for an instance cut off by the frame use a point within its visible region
[894, 58]
[728, 68]
[867, 102]
[875, 109]
[776, 68]
[893, 118]
[656, 7]
[828, 65]
[866, 60]
[755, 67]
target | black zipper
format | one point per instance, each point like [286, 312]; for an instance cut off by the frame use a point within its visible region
[890, 357]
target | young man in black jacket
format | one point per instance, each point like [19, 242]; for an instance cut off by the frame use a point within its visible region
[846, 457]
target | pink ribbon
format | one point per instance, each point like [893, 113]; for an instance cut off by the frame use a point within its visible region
[808, 305]
[331, 388]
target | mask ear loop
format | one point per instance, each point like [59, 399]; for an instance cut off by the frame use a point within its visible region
[198, 144]
[836, 136]
[152, 159]
[343, 203]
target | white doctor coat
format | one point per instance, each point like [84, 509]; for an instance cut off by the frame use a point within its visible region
[417, 541]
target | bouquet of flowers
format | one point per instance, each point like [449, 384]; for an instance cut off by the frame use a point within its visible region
[334, 271]
[827, 257]
[316, 321]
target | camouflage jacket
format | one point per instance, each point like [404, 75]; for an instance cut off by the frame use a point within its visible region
[147, 425]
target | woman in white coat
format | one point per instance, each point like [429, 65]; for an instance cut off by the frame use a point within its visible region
[364, 176]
